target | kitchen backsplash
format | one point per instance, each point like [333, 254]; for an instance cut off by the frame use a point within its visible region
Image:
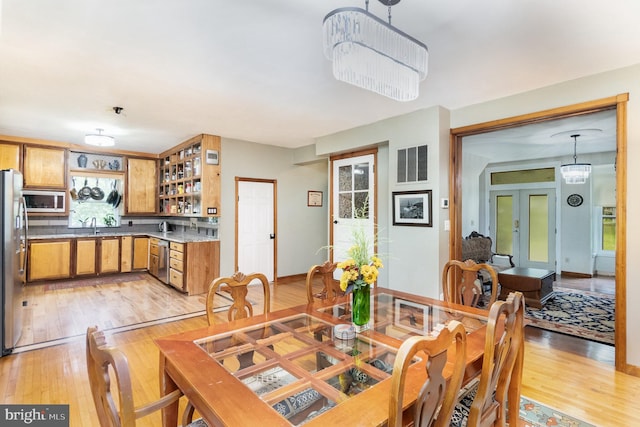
[59, 225]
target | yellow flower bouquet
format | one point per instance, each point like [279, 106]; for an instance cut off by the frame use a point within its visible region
[359, 271]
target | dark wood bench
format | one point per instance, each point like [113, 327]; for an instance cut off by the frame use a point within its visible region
[535, 284]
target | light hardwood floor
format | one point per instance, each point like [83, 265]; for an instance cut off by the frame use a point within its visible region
[560, 378]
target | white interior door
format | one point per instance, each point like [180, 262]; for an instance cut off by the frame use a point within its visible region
[353, 189]
[256, 228]
[523, 224]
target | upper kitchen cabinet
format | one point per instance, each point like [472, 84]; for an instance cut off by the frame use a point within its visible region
[142, 180]
[10, 155]
[44, 167]
[189, 178]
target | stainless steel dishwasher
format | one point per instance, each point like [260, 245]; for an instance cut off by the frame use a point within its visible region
[163, 261]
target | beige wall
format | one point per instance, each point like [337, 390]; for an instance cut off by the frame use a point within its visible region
[415, 255]
[302, 230]
[571, 92]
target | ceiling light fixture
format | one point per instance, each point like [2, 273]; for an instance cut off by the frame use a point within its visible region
[369, 53]
[99, 139]
[575, 173]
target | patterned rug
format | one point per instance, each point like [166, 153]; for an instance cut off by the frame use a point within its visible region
[535, 414]
[587, 315]
[532, 413]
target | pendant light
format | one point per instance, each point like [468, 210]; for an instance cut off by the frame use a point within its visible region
[575, 173]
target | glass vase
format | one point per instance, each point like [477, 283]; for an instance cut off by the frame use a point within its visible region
[360, 307]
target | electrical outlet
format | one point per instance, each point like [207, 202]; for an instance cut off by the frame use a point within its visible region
[130, 223]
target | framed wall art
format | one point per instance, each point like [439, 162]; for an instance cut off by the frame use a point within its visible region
[314, 198]
[412, 208]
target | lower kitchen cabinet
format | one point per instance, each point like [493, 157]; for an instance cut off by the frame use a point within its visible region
[193, 265]
[109, 255]
[86, 250]
[176, 265]
[97, 255]
[126, 253]
[140, 253]
[157, 258]
[49, 259]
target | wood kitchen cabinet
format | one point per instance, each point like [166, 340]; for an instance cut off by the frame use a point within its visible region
[126, 253]
[176, 265]
[10, 155]
[49, 259]
[134, 253]
[140, 253]
[142, 181]
[154, 256]
[189, 178]
[44, 167]
[97, 255]
[109, 255]
[193, 265]
[86, 256]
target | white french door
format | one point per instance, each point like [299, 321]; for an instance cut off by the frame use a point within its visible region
[352, 192]
[523, 224]
[256, 234]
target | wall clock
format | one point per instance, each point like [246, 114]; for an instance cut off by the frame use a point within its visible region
[574, 200]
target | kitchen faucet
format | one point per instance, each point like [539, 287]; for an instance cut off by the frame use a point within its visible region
[94, 225]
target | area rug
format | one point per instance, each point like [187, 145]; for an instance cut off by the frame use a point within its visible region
[586, 315]
[535, 414]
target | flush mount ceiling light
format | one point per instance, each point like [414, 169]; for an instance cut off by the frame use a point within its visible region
[369, 53]
[575, 173]
[99, 139]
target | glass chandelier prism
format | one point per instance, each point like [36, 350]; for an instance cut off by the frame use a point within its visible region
[369, 53]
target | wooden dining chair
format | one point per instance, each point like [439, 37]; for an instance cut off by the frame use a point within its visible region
[101, 359]
[496, 394]
[237, 287]
[331, 286]
[437, 398]
[461, 284]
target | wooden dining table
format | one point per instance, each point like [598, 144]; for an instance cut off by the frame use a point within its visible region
[306, 365]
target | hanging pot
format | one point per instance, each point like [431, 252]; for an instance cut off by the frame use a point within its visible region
[73, 192]
[97, 193]
[113, 195]
[118, 202]
[85, 192]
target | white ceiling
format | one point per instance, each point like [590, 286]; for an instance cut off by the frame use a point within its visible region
[254, 69]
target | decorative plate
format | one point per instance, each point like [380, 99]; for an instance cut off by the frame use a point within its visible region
[574, 200]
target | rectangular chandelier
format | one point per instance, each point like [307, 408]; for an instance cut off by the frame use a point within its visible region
[373, 55]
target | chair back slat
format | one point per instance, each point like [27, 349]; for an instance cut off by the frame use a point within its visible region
[436, 400]
[237, 286]
[461, 285]
[501, 377]
[331, 287]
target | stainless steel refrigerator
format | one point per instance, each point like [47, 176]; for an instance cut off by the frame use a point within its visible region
[13, 256]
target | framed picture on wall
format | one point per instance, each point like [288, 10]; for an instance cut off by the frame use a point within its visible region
[412, 208]
[314, 198]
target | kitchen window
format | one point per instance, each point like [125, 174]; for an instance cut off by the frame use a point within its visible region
[95, 196]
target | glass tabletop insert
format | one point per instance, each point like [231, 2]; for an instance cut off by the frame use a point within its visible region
[301, 365]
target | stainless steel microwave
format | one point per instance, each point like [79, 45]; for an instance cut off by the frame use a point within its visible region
[45, 201]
